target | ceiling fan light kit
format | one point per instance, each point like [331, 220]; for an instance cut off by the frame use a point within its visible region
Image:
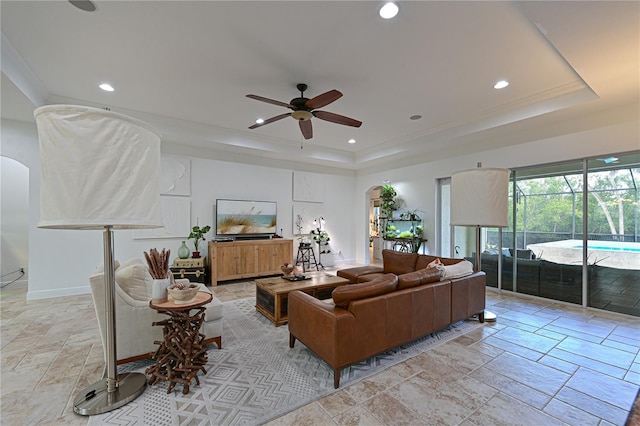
[304, 109]
[301, 115]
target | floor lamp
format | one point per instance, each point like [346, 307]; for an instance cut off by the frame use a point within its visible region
[479, 198]
[99, 170]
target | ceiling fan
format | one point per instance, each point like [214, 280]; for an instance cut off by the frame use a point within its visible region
[304, 109]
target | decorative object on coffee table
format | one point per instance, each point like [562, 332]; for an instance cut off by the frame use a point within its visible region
[117, 159]
[182, 354]
[183, 294]
[479, 198]
[158, 263]
[287, 269]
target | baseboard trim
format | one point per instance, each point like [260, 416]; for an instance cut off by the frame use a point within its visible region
[58, 292]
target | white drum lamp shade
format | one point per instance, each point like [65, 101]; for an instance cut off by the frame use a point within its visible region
[98, 168]
[479, 197]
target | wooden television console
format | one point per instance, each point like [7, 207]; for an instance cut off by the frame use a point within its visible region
[232, 260]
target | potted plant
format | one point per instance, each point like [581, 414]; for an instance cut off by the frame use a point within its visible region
[196, 235]
[388, 197]
[322, 238]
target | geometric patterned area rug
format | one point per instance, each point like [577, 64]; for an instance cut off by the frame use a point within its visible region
[256, 377]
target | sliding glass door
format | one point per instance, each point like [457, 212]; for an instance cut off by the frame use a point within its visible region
[612, 244]
[573, 234]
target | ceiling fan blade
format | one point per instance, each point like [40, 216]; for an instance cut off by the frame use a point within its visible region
[270, 120]
[270, 101]
[306, 128]
[323, 99]
[337, 118]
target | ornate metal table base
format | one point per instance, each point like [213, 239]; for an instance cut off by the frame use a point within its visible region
[182, 354]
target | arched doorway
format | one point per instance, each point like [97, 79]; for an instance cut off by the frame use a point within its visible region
[14, 221]
[374, 235]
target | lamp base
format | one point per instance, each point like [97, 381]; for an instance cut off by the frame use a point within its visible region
[489, 316]
[94, 399]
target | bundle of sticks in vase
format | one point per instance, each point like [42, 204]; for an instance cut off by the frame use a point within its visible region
[158, 263]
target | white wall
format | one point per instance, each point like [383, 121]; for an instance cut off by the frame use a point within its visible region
[60, 261]
[416, 184]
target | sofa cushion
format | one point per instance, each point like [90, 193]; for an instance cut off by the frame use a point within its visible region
[344, 294]
[135, 280]
[369, 277]
[419, 277]
[410, 279]
[424, 260]
[352, 274]
[398, 263]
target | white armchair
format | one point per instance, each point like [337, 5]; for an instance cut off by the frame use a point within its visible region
[135, 336]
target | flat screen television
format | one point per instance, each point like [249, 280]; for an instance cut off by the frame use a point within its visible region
[243, 217]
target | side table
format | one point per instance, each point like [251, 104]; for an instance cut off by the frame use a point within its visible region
[181, 355]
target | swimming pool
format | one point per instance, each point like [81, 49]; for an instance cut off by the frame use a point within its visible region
[599, 246]
[614, 254]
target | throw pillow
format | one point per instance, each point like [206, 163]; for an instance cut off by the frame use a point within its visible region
[398, 263]
[436, 262]
[133, 261]
[100, 269]
[135, 280]
[460, 269]
[344, 294]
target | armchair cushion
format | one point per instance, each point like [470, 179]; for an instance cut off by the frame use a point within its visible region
[135, 280]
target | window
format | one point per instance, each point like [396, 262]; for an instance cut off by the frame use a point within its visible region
[546, 252]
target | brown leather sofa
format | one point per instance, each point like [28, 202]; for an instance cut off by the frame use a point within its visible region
[383, 309]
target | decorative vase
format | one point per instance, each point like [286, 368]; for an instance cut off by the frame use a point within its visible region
[159, 290]
[183, 251]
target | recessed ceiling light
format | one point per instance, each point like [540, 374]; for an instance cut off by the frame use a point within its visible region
[259, 121]
[106, 87]
[389, 10]
[352, 141]
[501, 84]
[415, 117]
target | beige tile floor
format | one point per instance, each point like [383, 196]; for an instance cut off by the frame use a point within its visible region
[541, 363]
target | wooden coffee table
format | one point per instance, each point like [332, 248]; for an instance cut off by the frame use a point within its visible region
[272, 293]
